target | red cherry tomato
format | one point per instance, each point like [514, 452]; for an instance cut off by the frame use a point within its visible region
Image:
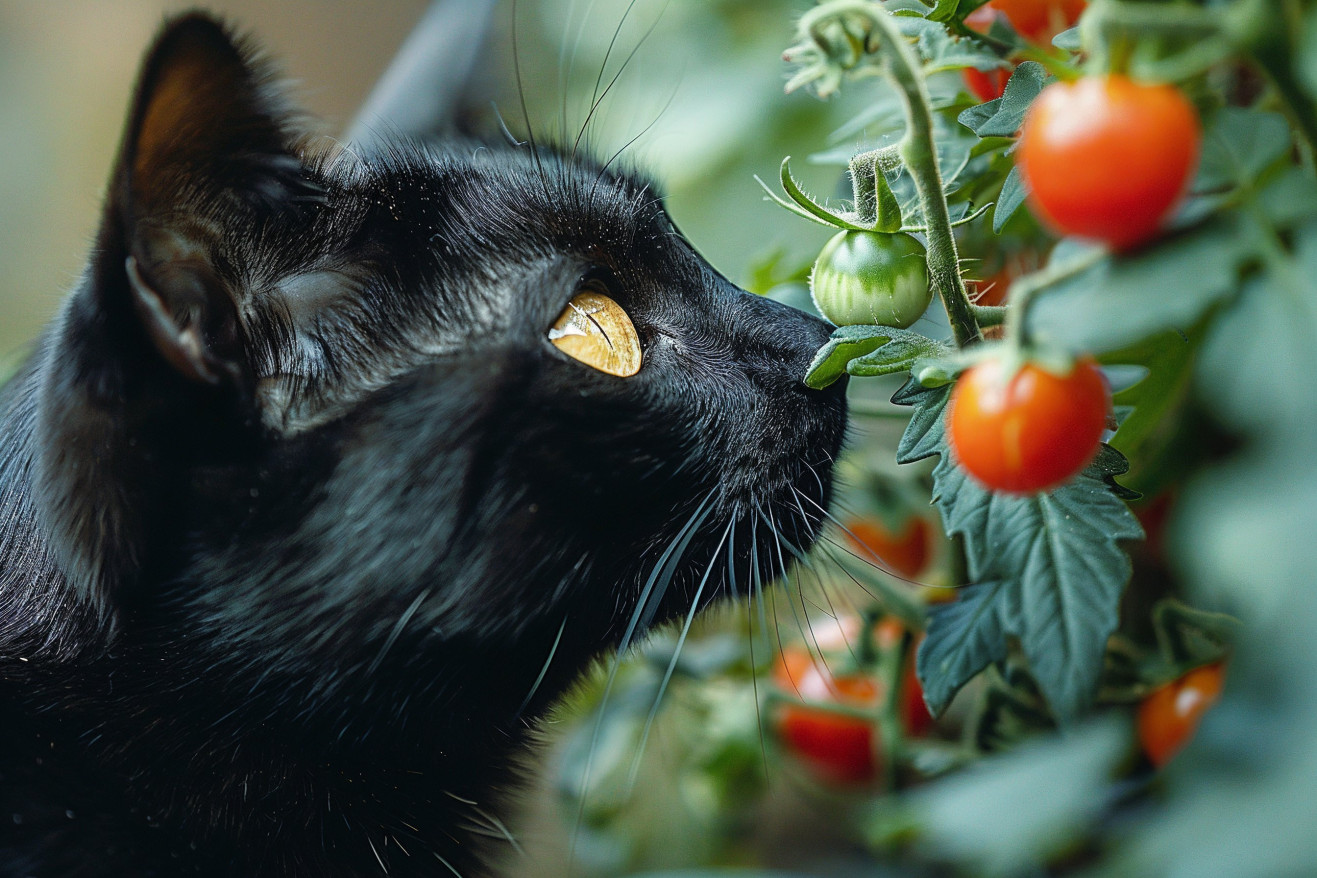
[1108, 158]
[1038, 21]
[1169, 716]
[1031, 432]
[905, 552]
[986, 85]
[839, 749]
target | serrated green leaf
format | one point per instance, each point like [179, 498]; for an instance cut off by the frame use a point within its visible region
[940, 51]
[899, 354]
[962, 638]
[869, 350]
[1002, 117]
[1013, 193]
[923, 436]
[977, 116]
[1121, 301]
[1189, 636]
[1056, 556]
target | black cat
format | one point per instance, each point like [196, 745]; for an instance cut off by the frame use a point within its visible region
[338, 467]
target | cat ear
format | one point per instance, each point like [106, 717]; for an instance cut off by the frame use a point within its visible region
[428, 83]
[205, 146]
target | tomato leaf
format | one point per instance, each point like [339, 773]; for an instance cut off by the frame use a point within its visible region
[870, 350]
[1054, 561]
[847, 343]
[1113, 304]
[1013, 192]
[1007, 814]
[1002, 117]
[963, 637]
[1148, 436]
[1188, 637]
[1240, 146]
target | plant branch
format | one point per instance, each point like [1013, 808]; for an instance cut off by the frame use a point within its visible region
[916, 150]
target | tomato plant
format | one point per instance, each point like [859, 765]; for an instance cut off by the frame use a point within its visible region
[1169, 716]
[905, 550]
[1030, 429]
[1176, 246]
[1107, 157]
[871, 277]
[840, 747]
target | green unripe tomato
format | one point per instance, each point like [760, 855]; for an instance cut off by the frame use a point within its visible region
[871, 277]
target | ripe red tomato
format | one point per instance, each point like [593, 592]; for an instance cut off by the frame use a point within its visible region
[1169, 716]
[986, 85]
[1108, 158]
[905, 552]
[1031, 432]
[1038, 21]
[840, 749]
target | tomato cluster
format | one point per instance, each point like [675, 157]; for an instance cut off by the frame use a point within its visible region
[830, 721]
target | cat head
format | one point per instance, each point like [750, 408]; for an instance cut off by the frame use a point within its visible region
[368, 417]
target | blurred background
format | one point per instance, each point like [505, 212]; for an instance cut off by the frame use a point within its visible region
[702, 96]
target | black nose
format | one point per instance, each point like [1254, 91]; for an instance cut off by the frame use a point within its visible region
[778, 339]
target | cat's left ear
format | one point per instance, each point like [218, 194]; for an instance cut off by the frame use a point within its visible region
[206, 147]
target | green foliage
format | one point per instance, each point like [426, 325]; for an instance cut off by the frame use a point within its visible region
[871, 350]
[1049, 567]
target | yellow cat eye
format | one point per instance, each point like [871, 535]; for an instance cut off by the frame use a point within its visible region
[595, 330]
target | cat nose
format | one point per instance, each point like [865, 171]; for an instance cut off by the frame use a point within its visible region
[780, 340]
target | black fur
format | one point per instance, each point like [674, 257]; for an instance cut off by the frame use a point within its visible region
[296, 499]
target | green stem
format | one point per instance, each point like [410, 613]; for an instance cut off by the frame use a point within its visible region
[990, 315]
[917, 151]
[1024, 290]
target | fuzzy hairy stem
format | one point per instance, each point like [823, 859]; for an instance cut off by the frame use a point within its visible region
[917, 151]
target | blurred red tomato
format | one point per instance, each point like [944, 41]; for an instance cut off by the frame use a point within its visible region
[1169, 716]
[905, 552]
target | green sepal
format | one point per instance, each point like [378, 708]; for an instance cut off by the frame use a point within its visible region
[870, 350]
